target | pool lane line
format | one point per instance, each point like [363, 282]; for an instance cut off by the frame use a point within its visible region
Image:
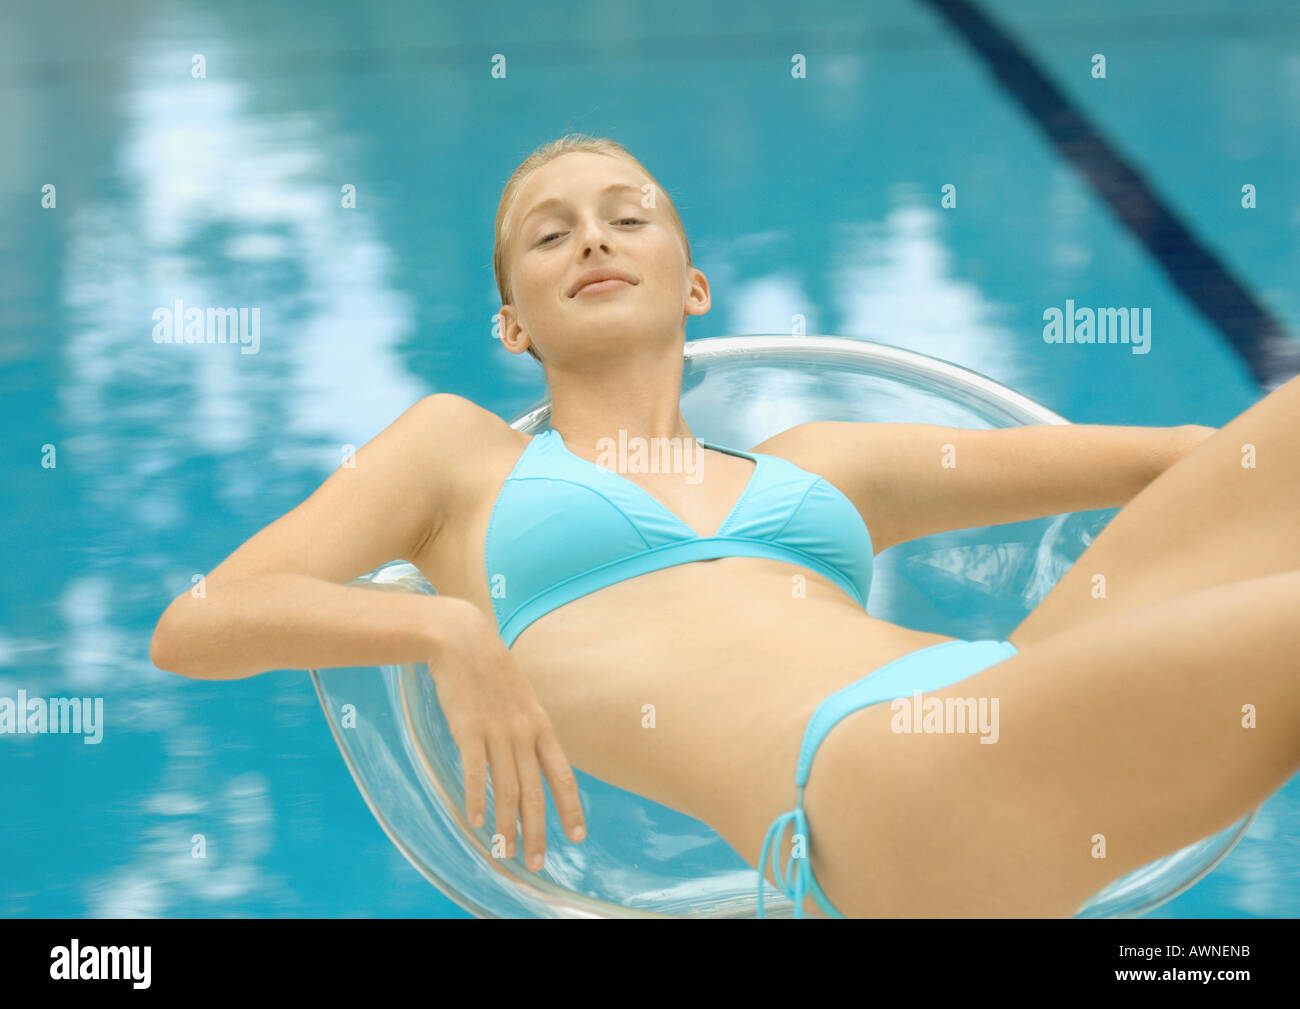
[1204, 280]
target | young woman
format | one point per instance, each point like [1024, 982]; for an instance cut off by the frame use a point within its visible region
[699, 637]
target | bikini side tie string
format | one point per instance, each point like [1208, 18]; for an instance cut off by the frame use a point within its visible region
[793, 881]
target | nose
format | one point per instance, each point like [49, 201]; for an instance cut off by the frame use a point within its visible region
[594, 234]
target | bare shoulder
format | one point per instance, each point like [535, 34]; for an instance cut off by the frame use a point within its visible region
[457, 430]
[470, 446]
[817, 446]
[449, 409]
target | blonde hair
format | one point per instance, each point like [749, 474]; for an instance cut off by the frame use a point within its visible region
[570, 143]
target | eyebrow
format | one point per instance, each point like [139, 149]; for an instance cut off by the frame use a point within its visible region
[553, 200]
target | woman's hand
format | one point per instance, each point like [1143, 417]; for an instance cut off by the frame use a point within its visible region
[495, 719]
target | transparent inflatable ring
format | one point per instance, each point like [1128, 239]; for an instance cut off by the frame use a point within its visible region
[641, 859]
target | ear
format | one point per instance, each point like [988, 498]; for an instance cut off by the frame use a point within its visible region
[697, 297]
[513, 336]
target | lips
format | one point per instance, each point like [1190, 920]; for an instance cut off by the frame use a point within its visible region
[600, 278]
[602, 285]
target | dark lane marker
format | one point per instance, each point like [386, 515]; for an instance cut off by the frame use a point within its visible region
[1205, 281]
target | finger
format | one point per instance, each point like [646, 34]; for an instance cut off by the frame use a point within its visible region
[473, 760]
[532, 796]
[564, 785]
[505, 789]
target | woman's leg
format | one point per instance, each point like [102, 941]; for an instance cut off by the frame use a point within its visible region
[1207, 520]
[1128, 736]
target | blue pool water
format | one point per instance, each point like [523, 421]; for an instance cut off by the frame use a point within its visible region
[816, 197]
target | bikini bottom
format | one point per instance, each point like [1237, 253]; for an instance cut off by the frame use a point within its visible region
[928, 669]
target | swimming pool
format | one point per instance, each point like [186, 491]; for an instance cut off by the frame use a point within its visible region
[815, 197]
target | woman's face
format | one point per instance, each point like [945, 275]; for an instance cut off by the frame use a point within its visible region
[583, 212]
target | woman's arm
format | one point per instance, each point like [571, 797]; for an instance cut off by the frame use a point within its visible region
[289, 621]
[277, 602]
[912, 480]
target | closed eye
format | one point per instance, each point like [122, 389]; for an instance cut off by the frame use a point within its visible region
[621, 220]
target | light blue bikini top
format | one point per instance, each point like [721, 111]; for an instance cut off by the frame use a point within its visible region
[563, 527]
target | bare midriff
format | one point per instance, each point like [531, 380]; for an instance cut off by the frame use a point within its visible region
[693, 685]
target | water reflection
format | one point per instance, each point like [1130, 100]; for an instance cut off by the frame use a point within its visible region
[176, 448]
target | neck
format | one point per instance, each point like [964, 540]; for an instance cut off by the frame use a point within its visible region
[633, 395]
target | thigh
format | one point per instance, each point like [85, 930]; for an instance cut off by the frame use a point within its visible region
[1205, 521]
[1128, 732]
